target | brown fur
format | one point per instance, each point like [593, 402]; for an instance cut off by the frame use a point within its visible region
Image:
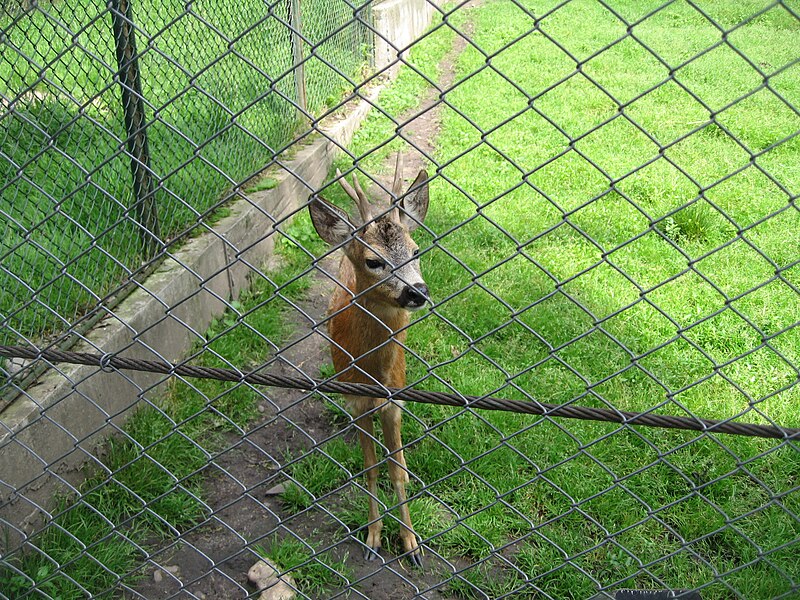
[366, 348]
[367, 329]
[362, 330]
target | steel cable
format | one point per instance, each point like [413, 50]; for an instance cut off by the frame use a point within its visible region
[647, 419]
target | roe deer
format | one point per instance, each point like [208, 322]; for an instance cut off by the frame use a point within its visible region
[379, 283]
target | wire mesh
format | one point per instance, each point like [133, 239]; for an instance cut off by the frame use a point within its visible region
[217, 110]
[613, 224]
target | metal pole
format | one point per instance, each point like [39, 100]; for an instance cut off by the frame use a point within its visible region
[145, 209]
[297, 55]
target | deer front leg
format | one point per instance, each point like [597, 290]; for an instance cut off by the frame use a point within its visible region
[366, 437]
[390, 421]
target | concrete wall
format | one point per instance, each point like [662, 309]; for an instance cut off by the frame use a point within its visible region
[398, 24]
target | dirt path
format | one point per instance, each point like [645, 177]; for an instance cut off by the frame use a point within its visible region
[423, 123]
[212, 560]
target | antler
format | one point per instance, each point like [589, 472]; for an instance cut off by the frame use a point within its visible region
[397, 187]
[358, 196]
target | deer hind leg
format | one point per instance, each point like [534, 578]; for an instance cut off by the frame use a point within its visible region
[398, 473]
[366, 437]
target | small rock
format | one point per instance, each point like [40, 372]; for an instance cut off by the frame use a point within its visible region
[262, 408]
[200, 596]
[158, 574]
[276, 490]
[13, 366]
[265, 576]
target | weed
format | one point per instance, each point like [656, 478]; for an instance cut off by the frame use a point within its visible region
[326, 370]
[264, 183]
[315, 572]
[335, 410]
[300, 241]
[327, 467]
[295, 498]
[697, 224]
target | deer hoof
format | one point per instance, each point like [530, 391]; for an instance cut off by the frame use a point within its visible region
[415, 558]
[372, 554]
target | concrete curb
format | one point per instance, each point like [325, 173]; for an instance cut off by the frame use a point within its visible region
[55, 427]
[50, 432]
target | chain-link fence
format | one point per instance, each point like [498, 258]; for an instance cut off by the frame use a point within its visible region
[212, 95]
[612, 250]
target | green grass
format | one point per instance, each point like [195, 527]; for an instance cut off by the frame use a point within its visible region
[69, 235]
[149, 484]
[584, 276]
[94, 543]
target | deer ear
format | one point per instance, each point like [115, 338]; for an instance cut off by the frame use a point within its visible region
[331, 222]
[414, 205]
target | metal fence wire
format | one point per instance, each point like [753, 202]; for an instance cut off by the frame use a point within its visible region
[612, 249]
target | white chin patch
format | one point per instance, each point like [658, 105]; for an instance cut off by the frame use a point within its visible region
[412, 308]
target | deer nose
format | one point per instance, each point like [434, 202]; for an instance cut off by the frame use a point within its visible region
[414, 295]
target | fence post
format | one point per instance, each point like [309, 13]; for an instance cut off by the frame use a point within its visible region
[297, 55]
[144, 207]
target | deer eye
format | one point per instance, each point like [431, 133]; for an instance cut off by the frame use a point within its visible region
[415, 252]
[375, 264]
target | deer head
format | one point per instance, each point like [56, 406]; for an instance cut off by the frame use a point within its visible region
[380, 248]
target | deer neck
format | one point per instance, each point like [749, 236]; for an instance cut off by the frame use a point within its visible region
[381, 319]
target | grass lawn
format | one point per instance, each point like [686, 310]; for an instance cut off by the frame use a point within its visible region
[619, 248]
[218, 88]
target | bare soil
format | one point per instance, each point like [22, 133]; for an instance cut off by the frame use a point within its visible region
[212, 559]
